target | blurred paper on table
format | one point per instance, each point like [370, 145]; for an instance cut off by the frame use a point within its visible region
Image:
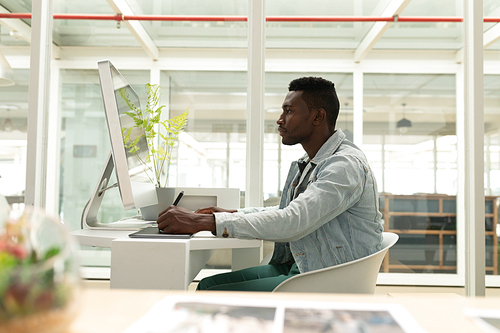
[487, 319]
[222, 314]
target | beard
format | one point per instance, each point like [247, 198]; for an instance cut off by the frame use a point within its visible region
[290, 140]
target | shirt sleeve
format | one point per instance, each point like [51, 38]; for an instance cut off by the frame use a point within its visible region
[338, 186]
[256, 209]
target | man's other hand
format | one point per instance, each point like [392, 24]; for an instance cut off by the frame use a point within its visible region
[213, 209]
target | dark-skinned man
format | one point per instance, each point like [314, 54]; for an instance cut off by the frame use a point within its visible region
[328, 214]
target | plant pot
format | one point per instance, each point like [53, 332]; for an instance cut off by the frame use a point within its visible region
[40, 280]
[166, 197]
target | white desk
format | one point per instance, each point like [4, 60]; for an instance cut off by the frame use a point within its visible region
[112, 311]
[145, 263]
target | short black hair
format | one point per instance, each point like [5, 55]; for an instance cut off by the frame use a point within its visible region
[318, 93]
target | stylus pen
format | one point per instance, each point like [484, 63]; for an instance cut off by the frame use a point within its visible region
[178, 198]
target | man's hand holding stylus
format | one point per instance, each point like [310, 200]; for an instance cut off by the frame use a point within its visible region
[178, 220]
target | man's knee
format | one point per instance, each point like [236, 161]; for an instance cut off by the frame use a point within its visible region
[203, 284]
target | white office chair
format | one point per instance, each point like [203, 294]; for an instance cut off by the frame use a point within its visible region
[354, 277]
[4, 209]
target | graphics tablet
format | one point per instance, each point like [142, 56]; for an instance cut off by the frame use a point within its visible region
[153, 232]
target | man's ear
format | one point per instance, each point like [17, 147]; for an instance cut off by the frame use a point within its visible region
[320, 117]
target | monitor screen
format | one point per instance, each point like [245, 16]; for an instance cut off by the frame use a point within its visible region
[135, 188]
[122, 87]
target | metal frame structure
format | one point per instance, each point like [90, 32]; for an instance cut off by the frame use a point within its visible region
[469, 106]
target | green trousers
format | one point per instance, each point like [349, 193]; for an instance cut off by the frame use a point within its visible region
[258, 278]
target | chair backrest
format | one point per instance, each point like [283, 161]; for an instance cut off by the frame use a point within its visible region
[4, 209]
[354, 277]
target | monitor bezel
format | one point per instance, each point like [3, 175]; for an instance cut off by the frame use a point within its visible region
[115, 133]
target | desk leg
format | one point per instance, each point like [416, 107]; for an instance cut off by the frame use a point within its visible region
[198, 260]
[246, 257]
[149, 264]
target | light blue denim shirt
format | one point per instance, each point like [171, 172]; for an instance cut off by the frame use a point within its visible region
[328, 214]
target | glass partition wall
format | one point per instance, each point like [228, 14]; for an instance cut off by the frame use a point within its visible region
[399, 103]
[211, 151]
[85, 145]
[13, 137]
[492, 164]
[410, 138]
[492, 139]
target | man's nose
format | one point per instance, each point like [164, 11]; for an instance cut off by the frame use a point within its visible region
[280, 119]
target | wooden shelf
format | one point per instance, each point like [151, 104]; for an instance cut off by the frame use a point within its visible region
[410, 209]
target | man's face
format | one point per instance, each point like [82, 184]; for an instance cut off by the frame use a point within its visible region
[295, 123]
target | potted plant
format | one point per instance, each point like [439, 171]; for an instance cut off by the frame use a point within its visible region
[161, 136]
[39, 274]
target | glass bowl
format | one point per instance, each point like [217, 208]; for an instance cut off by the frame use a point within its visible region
[39, 274]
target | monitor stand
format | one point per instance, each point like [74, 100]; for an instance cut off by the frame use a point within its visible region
[89, 217]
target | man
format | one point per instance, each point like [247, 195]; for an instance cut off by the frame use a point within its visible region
[328, 214]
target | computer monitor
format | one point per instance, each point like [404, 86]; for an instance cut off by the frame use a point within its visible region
[135, 188]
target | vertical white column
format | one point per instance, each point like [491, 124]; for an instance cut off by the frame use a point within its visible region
[53, 143]
[435, 161]
[474, 149]
[154, 78]
[38, 102]
[228, 158]
[487, 162]
[280, 153]
[255, 104]
[381, 187]
[357, 125]
[460, 131]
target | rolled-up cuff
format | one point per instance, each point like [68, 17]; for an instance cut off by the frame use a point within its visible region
[224, 223]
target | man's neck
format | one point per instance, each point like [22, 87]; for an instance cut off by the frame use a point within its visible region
[314, 145]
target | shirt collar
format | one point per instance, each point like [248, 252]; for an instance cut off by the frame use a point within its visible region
[327, 149]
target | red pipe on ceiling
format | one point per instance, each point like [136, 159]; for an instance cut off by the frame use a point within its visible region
[120, 17]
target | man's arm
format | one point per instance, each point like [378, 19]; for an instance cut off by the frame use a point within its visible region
[177, 220]
[330, 194]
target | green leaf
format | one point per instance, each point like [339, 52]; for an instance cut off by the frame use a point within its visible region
[158, 158]
[52, 252]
